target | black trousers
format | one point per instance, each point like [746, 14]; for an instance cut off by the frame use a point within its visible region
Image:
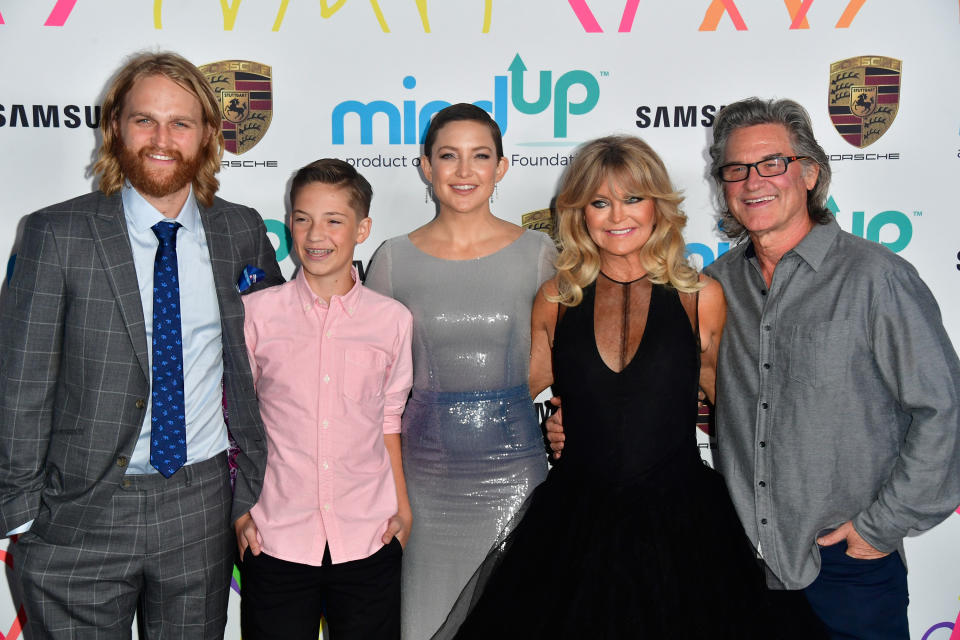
[286, 600]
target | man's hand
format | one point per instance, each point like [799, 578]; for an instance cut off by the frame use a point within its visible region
[555, 429]
[857, 547]
[247, 535]
[398, 526]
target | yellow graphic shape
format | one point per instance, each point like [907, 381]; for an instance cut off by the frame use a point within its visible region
[230, 8]
[229, 13]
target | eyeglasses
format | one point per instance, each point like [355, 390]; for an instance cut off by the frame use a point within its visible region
[767, 168]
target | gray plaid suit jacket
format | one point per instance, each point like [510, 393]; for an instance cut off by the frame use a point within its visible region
[74, 378]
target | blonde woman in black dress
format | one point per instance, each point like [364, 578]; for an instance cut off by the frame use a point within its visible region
[631, 535]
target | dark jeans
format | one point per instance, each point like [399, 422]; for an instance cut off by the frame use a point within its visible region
[285, 600]
[862, 599]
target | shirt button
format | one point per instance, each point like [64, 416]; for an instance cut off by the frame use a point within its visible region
[325, 424]
[766, 365]
[326, 466]
[763, 521]
[763, 444]
[764, 405]
[326, 507]
[326, 378]
[140, 404]
[328, 333]
[767, 327]
[763, 292]
[762, 484]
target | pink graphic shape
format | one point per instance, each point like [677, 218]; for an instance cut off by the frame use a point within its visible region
[586, 17]
[956, 629]
[17, 625]
[1, 18]
[61, 11]
[735, 16]
[7, 558]
[629, 13]
[801, 14]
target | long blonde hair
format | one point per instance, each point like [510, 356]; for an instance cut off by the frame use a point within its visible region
[184, 73]
[630, 164]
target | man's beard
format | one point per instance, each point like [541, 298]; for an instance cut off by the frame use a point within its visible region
[154, 183]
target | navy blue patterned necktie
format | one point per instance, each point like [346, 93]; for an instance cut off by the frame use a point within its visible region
[168, 429]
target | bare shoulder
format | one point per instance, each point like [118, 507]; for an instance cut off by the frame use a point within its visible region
[712, 306]
[711, 293]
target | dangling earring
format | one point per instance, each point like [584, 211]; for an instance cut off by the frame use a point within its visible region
[428, 196]
[496, 192]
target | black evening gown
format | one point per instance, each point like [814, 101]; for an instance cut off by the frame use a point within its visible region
[630, 535]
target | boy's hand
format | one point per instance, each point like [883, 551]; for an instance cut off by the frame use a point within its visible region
[247, 535]
[398, 527]
[554, 428]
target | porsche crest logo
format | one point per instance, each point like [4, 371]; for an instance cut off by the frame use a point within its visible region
[864, 96]
[245, 94]
[540, 220]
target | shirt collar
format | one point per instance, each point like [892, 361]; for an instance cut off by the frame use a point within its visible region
[348, 302]
[142, 215]
[814, 246]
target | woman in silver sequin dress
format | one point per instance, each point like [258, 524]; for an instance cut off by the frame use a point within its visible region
[472, 447]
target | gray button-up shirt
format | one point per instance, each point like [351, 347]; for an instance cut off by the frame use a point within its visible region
[837, 399]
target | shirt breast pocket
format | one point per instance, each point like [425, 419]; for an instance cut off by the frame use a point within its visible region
[820, 353]
[363, 373]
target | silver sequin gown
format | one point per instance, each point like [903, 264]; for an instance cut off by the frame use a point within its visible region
[472, 447]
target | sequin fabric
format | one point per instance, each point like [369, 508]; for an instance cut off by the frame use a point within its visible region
[472, 448]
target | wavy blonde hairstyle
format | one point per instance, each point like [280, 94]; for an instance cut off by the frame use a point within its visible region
[629, 164]
[177, 69]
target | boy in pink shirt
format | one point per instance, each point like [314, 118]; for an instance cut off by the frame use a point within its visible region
[332, 366]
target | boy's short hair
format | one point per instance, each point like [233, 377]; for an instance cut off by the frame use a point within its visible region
[335, 172]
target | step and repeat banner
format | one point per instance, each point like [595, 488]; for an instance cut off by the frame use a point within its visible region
[359, 80]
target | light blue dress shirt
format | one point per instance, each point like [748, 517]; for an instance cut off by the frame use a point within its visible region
[200, 324]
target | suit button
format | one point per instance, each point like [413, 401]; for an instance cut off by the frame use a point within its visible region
[141, 404]
[122, 461]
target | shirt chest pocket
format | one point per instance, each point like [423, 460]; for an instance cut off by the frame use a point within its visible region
[820, 353]
[363, 374]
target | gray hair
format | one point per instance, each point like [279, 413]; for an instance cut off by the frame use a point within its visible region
[753, 111]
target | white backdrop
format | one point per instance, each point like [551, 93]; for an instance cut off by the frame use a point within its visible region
[555, 73]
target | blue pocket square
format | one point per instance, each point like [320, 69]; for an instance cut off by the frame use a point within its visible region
[249, 277]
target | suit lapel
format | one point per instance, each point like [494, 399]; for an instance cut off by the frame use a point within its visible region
[109, 230]
[221, 252]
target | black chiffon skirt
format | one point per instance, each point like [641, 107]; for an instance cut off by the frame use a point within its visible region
[663, 556]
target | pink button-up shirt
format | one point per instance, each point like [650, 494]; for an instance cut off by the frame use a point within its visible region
[331, 381]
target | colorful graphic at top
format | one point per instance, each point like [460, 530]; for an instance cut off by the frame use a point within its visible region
[245, 95]
[864, 96]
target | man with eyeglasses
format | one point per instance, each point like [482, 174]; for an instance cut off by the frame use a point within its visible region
[837, 393]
